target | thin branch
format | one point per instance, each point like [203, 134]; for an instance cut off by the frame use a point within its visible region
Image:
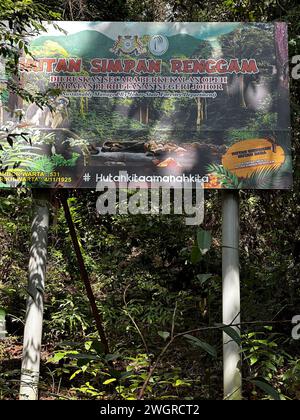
[71, 9]
[279, 312]
[84, 274]
[237, 315]
[133, 320]
[173, 320]
[281, 7]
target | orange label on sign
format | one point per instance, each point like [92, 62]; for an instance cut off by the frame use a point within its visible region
[248, 156]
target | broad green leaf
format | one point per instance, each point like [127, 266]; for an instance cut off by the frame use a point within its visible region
[180, 382]
[57, 357]
[82, 356]
[109, 381]
[253, 360]
[111, 357]
[164, 334]
[204, 240]
[271, 366]
[82, 362]
[125, 375]
[203, 278]
[75, 374]
[97, 346]
[231, 332]
[61, 355]
[199, 343]
[87, 345]
[195, 255]
[267, 388]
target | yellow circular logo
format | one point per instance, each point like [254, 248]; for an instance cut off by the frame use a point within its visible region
[248, 156]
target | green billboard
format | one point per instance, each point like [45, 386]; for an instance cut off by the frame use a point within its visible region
[207, 102]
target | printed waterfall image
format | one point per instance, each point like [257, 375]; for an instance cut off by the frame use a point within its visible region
[208, 100]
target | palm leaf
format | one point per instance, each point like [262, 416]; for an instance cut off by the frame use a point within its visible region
[227, 179]
[265, 178]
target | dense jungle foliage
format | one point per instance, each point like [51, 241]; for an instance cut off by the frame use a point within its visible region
[150, 281]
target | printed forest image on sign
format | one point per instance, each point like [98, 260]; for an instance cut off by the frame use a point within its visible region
[208, 101]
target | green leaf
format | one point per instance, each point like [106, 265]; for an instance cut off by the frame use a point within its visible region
[231, 332]
[203, 278]
[81, 356]
[75, 374]
[125, 375]
[111, 357]
[267, 388]
[109, 381]
[164, 334]
[180, 382]
[82, 362]
[264, 178]
[226, 178]
[253, 360]
[199, 343]
[204, 240]
[97, 346]
[61, 355]
[195, 255]
[10, 140]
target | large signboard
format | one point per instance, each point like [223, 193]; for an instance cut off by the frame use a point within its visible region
[207, 102]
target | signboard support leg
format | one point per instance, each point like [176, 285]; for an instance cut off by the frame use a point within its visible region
[231, 293]
[35, 302]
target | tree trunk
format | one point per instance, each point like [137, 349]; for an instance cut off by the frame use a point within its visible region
[15, 101]
[200, 112]
[84, 275]
[120, 157]
[1, 113]
[144, 113]
[241, 89]
[281, 45]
